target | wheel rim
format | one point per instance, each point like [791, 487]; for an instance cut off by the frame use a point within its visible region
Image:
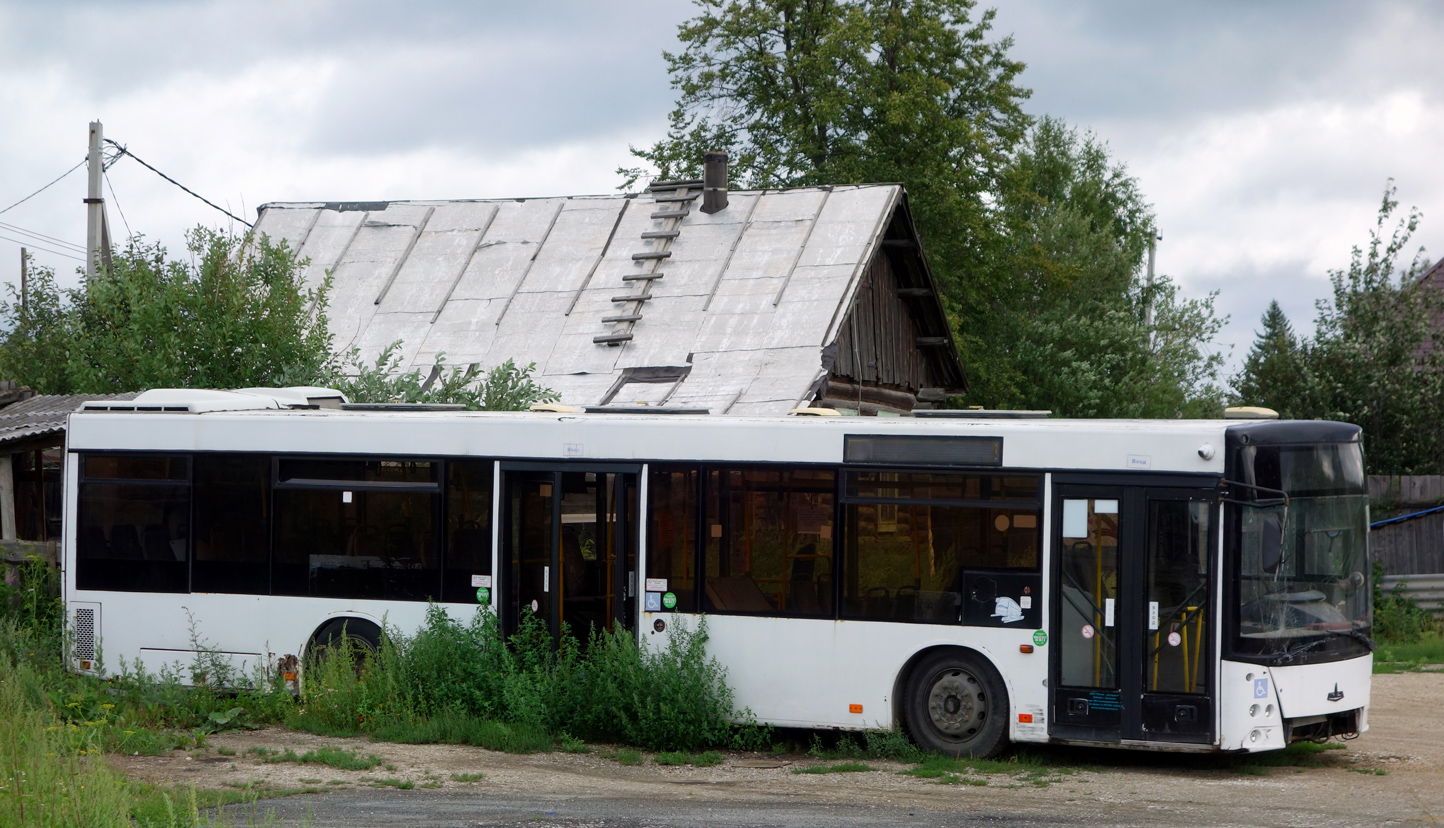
[957, 704]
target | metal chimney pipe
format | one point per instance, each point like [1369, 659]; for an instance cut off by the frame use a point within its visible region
[714, 182]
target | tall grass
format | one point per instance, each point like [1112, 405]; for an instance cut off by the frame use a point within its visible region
[51, 771]
[464, 682]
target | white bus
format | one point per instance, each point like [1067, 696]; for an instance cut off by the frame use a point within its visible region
[1181, 585]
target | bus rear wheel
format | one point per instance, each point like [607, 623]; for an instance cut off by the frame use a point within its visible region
[356, 638]
[956, 705]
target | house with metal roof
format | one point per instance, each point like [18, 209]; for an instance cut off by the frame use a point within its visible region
[741, 302]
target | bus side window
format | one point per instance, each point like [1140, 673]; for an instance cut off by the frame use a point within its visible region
[233, 524]
[357, 529]
[770, 541]
[134, 523]
[672, 532]
[912, 556]
[468, 528]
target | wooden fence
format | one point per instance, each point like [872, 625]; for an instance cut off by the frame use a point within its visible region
[1410, 547]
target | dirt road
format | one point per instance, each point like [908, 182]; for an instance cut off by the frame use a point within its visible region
[1394, 775]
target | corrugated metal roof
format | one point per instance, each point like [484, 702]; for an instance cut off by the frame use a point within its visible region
[43, 415]
[748, 296]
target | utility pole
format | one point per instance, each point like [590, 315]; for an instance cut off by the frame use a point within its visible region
[23, 273]
[97, 229]
[1148, 288]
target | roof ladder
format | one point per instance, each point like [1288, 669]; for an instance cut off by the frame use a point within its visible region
[675, 200]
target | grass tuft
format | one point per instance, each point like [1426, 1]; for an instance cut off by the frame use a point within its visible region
[841, 767]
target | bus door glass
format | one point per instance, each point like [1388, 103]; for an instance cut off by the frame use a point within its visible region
[1087, 689]
[569, 550]
[1132, 619]
[1177, 619]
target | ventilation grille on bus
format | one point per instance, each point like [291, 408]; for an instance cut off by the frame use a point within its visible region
[84, 633]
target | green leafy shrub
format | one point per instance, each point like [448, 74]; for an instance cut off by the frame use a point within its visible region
[462, 682]
[1398, 619]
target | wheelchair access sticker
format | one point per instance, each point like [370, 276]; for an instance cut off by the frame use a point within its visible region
[1261, 688]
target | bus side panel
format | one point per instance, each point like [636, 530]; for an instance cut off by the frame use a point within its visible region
[795, 672]
[251, 629]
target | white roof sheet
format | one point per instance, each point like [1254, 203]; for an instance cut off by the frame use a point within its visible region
[750, 296]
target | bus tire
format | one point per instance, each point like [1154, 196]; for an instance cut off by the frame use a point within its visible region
[342, 631]
[956, 705]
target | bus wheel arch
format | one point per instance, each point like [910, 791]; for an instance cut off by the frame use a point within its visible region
[953, 700]
[343, 628]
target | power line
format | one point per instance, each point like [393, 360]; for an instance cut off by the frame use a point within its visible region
[125, 151]
[47, 186]
[40, 236]
[116, 199]
[33, 245]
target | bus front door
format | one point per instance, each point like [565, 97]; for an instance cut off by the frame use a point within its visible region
[568, 552]
[1131, 582]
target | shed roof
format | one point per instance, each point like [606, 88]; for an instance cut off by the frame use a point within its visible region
[739, 304]
[31, 419]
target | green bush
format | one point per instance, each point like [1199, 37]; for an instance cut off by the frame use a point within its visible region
[1397, 618]
[462, 682]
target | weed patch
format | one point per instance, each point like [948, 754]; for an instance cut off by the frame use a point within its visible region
[467, 777]
[466, 676]
[570, 744]
[706, 759]
[332, 756]
[459, 729]
[841, 767]
[625, 756]
[1399, 657]
[401, 784]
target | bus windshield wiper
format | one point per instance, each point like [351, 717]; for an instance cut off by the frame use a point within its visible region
[1290, 655]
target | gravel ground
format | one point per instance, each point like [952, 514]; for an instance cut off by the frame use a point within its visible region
[1394, 775]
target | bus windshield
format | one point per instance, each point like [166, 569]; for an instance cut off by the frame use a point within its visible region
[1303, 590]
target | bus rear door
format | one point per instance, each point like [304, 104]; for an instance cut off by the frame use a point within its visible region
[568, 550]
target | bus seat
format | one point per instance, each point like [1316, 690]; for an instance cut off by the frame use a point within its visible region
[905, 605]
[737, 593]
[125, 542]
[877, 603]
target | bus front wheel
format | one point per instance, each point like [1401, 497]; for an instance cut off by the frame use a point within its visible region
[957, 705]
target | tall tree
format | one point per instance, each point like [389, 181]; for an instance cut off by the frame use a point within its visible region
[1070, 323]
[1273, 373]
[1376, 357]
[852, 91]
[1036, 238]
[1378, 354]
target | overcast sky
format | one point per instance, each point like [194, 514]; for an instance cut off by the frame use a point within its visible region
[1262, 132]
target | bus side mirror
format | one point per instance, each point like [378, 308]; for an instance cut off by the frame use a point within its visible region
[1273, 544]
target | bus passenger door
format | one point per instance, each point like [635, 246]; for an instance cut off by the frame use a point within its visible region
[1176, 619]
[568, 555]
[1132, 647]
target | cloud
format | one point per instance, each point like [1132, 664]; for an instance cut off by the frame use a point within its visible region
[1264, 134]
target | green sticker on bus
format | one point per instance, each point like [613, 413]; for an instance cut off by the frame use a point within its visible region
[1040, 637]
[669, 600]
[483, 595]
